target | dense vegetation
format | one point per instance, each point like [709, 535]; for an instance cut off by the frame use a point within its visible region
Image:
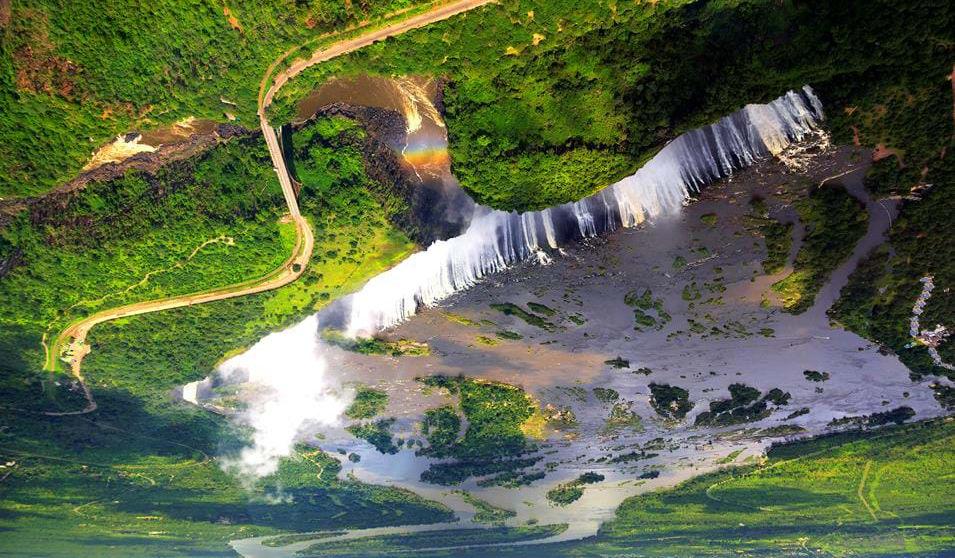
[194, 225]
[834, 222]
[72, 79]
[496, 415]
[367, 404]
[377, 433]
[911, 113]
[776, 235]
[569, 492]
[671, 402]
[548, 101]
[744, 405]
[143, 463]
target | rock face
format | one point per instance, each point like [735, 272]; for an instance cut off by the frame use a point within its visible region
[146, 162]
[149, 162]
[426, 221]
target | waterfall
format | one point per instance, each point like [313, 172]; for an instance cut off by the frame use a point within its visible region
[286, 388]
[496, 239]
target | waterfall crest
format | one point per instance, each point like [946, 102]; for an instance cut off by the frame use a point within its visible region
[496, 239]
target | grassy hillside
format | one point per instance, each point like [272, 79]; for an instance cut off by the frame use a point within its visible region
[881, 493]
[75, 74]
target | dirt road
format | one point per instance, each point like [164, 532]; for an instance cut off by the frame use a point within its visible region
[71, 342]
[334, 50]
[73, 338]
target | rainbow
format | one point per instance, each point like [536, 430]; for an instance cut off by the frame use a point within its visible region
[427, 153]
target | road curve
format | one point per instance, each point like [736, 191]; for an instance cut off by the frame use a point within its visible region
[438, 13]
[73, 337]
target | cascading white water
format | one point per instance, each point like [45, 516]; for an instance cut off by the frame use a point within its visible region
[496, 239]
[286, 388]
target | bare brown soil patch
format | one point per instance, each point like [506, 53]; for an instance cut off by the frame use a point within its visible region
[233, 21]
[38, 68]
[4, 13]
[881, 151]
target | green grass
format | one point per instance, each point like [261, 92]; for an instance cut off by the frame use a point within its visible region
[835, 222]
[570, 492]
[368, 403]
[484, 512]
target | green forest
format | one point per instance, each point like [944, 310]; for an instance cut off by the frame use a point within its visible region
[548, 101]
[73, 75]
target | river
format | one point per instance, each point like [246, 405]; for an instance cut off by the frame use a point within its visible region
[581, 264]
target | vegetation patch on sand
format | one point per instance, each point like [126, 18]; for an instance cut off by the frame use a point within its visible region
[670, 402]
[835, 221]
[368, 403]
[744, 405]
[496, 415]
[375, 346]
[485, 512]
[569, 492]
[511, 309]
[648, 311]
[376, 433]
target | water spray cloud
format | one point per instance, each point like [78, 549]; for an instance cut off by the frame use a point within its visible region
[287, 392]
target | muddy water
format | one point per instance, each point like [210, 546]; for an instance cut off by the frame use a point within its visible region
[424, 148]
[766, 349]
[178, 132]
[128, 145]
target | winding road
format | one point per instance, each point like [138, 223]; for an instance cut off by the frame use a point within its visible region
[70, 344]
